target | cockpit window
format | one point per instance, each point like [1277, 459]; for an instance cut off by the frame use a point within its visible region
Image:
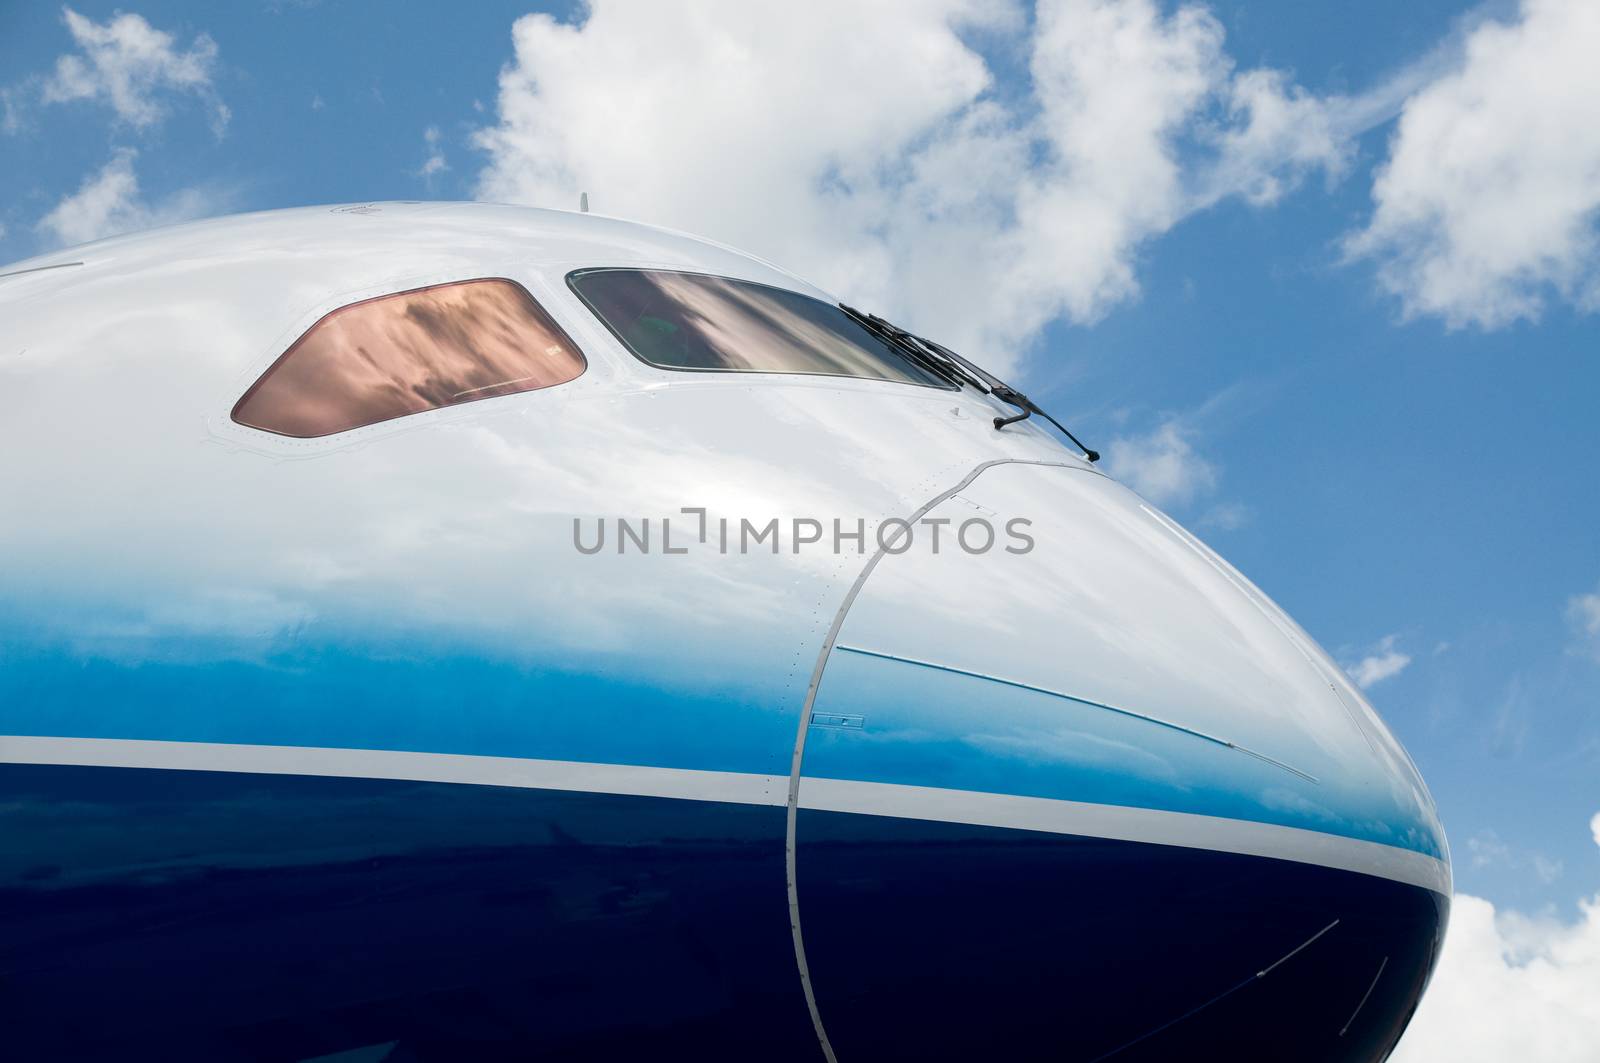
[410, 352]
[697, 322]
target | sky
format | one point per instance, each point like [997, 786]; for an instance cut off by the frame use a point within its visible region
[1321, 279]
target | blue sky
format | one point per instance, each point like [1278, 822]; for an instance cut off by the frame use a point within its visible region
[1407, 464]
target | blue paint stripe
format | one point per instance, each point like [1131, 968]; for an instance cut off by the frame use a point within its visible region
[422, 700]
[1081, 701]
[947, 728]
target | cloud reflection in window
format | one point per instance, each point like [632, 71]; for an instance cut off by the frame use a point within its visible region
[407, 353]
[699, 322]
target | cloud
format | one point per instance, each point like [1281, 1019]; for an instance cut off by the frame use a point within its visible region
[1282, 134]
[1227, 516]
[1383, 662]
[435, 163]
[895, 172]
[1547, 869]
[109, 203]
[11, 110]
[1512, 986]
[1487, 205]
[1507, 732]
[129, 65]
[1487, 849]
[1161, 465]
[1583, 617]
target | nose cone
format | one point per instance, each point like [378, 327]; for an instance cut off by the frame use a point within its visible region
[1106, 796]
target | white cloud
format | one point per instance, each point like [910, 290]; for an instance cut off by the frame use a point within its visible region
[105, 204]
[1487, 849]
[1583, 616]
[1594, 827]
[10, 110]
[1227, 516]
[1284, 134]
[1507, 732]
[128, 64]
[1161, 465]
[109, 203]
[1382, 662]
[1512, 986]
[1487, 205]
[1547, 869]
[435, 163]
[882, 164]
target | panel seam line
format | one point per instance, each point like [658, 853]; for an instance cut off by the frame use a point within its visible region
[828, 641]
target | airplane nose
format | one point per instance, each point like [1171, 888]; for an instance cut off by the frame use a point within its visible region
[1099, 798]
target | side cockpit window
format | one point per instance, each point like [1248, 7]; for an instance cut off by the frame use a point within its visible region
[407, 353]
[701, 323]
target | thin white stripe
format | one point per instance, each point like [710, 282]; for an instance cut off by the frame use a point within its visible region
[632, 780]
[1127, 824]
[832, 795]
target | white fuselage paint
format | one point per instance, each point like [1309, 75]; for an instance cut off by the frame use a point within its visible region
[153, 528]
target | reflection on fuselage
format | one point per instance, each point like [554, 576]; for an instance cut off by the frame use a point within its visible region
[336, 744]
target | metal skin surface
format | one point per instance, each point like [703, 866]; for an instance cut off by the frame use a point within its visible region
[340, 745]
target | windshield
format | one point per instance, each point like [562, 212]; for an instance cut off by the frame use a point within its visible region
[691, 321]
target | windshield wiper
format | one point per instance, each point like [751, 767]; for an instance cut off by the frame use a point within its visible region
[950, 366]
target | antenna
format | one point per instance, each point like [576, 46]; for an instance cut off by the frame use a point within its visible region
[583, 202]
